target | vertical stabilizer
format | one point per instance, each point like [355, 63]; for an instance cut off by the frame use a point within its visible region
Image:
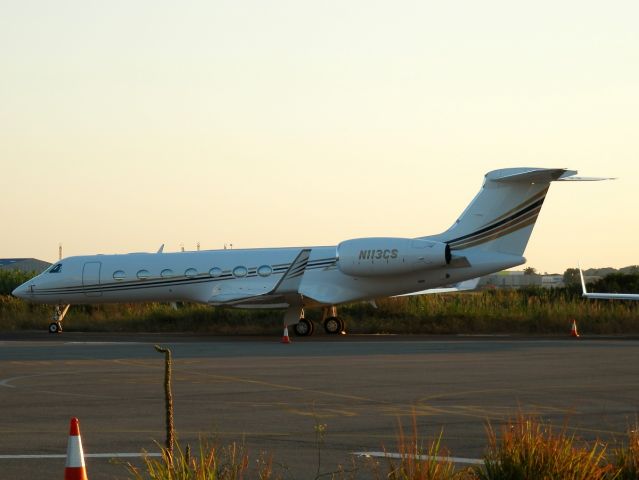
[502, 215]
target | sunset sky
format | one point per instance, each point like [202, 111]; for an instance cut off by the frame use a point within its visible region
[128, 124]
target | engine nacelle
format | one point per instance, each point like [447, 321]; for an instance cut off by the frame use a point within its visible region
[367, 257]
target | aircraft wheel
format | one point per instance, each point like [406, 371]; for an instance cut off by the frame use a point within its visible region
[304, 328]
[333, 325]
[54, 327]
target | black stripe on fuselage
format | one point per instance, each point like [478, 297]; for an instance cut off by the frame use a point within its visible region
[181, 281]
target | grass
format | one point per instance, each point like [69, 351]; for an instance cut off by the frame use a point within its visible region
[526, 448]
[529, 448]
[212, 463]
[628, 456]
[529, 311]
[420, 460]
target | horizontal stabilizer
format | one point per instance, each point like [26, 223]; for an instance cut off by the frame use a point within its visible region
[537, 175]
[585, 179]
[529, 175]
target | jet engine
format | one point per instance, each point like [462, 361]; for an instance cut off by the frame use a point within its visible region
[368, 257]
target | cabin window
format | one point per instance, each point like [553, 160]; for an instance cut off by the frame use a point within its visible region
[56, 268]
[264, 271]
[167, 272]
[119, 275]
[190, 272]
[240, 271]
[143, 274]
[215, 272]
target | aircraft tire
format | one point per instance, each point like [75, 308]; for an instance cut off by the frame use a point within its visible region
[304, 328]
[54, 327]
[333, 325]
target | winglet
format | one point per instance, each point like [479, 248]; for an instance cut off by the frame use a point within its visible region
[292, 278]
[583, 283]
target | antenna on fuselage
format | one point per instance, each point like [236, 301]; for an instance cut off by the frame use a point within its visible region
[161, 249]
[198, 246]
[59, 251]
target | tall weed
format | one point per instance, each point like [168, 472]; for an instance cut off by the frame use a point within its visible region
[528, 448]
[212, 463]
[628, 456]
[419, 460]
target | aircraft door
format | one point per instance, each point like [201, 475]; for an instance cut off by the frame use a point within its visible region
[91, 279]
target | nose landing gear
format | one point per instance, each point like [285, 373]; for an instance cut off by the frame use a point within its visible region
[57, 317]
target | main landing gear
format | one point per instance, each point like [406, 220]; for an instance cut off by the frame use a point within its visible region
[304, 328]
[58, 315]
[333, 325]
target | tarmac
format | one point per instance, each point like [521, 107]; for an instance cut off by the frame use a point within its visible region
[274, 398]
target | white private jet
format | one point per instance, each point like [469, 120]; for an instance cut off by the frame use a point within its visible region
[605, 296]
[489, 236]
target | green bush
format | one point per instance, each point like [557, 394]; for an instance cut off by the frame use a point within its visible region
[10, 279]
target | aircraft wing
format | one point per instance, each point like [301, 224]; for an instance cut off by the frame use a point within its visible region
[464, 286]
[605, 296]
[285, 292]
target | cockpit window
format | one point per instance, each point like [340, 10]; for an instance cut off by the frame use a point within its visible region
[56, 268]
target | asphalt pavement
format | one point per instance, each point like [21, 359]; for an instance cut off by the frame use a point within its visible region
[272, 396]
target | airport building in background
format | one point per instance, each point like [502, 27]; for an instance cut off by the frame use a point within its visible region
[24, 264]
[519, 279]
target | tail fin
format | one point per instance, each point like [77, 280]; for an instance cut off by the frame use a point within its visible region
[502, 215]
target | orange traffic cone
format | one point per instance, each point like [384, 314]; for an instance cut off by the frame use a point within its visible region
[573, 330]
[74, 468]
[285, 338]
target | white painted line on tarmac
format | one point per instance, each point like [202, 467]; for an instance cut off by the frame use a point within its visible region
[469, 461]
[5, 382]
[107, 343]
[86, 455]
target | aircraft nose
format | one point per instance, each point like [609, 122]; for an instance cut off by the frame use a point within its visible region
[21, 291]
